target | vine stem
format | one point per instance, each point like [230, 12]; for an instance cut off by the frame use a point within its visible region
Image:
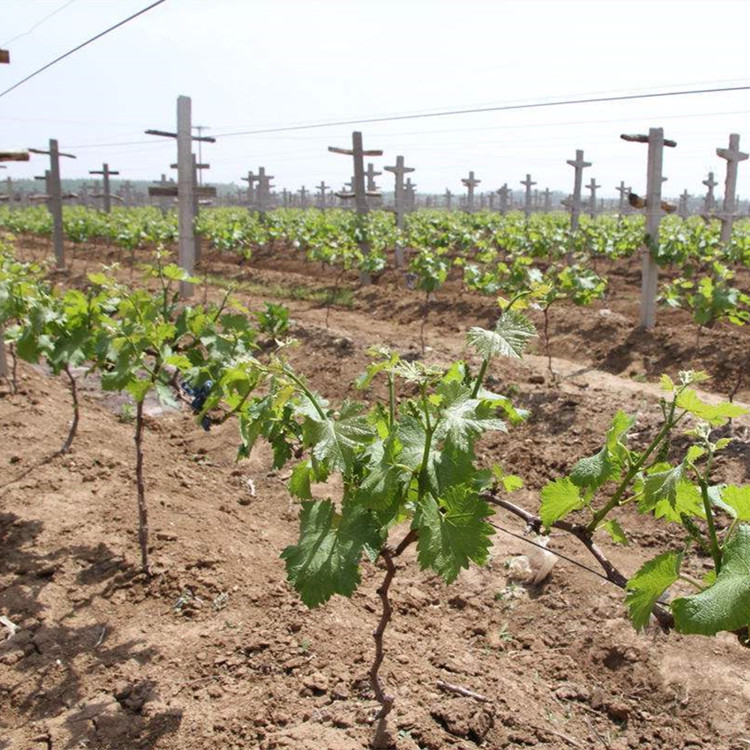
[614, 501]
[334, 294]
[141, 487]
[385, 699]
[546, 339]
[13, 369]
[583, 535]
[480, 377]
[76, 412]
[298, 382]
[425, 310]
[709, 511]
[391, 400]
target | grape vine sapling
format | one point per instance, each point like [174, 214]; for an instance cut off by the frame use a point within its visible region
[679, 492]
[152, 340]
[431, 270]
[579, 285]
[23, 296]
[72, 335]
[406, 460]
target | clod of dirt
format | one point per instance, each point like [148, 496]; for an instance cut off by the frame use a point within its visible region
[133, 696]
[463, 718]
[316, 683]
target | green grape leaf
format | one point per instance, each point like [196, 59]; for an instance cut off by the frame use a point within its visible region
[325, 561]
[508, 339]
[453, 531]
[694, 452]
[374, 368]
[558, 499]
[451, 467]
[715, 415]
[725, 605]
[621, 424]
[592, 472]
[384, 476]
[666, 383]
[138, 388]
[301, 479]
[510, 482]
[648, 584]
[735, 501]
[616, 532]
[337, 440]
[464, 418]
[687, 501]
[660, 484]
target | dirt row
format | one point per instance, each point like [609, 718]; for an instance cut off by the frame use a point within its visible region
[217, 651]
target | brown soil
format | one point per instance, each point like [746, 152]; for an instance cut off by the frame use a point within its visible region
[216, 651]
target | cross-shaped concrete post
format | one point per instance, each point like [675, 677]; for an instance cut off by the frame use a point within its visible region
[303, 193]
[650, 270]
[448, 199]
[503, 193]
[410, 195]
[592, 186]
[574, 204]
[186, 187]
[251, 179]
[733, 157]
[322, 194]
[54, 201]
[623, 206]
[106, 193]
[527, 183]
[470, 183]
[126, 193]
[371, 174]
[547, 206]
[263, 193]
[359, 193]
[709, 202]
[164, 202]
[682, 206]
[399, 169]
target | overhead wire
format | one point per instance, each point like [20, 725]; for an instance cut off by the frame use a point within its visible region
[38, 23]
[81, 46]
[480, 110]
[521, 126]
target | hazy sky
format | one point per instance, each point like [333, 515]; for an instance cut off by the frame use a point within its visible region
[250, 64]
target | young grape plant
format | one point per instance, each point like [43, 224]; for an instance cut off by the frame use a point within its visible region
[680, 492]
[407, 466]
[152, 341]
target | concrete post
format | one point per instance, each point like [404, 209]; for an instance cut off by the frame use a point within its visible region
[106, 192]
[733, 157]
[592, 186]
[709, 202]
[527, 183]
[650, 270]
[574, 204]
[623, 206]
[470, 183]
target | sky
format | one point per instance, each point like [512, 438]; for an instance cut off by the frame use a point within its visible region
[257, 64]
